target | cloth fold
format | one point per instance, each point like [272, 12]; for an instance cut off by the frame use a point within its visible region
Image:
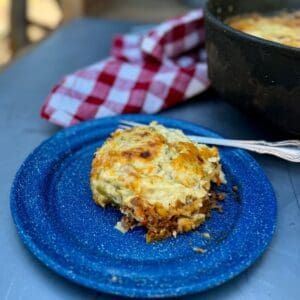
[143, 74]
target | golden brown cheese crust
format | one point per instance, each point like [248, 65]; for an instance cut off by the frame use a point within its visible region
[283, 28]
[157, 177]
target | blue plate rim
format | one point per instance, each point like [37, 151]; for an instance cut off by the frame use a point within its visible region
[122, 290]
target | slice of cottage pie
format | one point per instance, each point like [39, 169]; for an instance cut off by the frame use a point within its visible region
[158, 178]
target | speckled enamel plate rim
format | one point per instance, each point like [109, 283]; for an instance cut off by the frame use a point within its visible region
[131, 290]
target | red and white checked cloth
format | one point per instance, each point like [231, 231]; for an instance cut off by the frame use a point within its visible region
[143, 74]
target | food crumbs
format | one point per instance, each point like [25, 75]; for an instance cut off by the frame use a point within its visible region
[199, 250]
[221, 196]
[206, 235]
[235, 188]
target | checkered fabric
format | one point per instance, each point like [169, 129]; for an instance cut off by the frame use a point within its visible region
[143, 74]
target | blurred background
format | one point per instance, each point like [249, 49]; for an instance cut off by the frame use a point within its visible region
[23, 23]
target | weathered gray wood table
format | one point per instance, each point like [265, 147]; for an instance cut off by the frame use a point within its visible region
[23, 87]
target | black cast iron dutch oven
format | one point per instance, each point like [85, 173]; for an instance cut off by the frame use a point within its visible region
[255, 74]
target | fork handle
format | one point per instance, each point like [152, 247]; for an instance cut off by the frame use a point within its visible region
[279, 149]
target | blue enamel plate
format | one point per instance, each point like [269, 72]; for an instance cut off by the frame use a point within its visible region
[57, 220]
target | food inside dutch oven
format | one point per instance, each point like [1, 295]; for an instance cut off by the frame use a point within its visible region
[283, 28]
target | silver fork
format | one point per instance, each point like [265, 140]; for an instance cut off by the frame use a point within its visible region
[288, 149]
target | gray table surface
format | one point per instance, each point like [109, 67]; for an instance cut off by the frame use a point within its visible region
[23, 87]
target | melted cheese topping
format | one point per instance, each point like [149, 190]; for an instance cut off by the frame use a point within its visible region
[283, 28]
[158, 170]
